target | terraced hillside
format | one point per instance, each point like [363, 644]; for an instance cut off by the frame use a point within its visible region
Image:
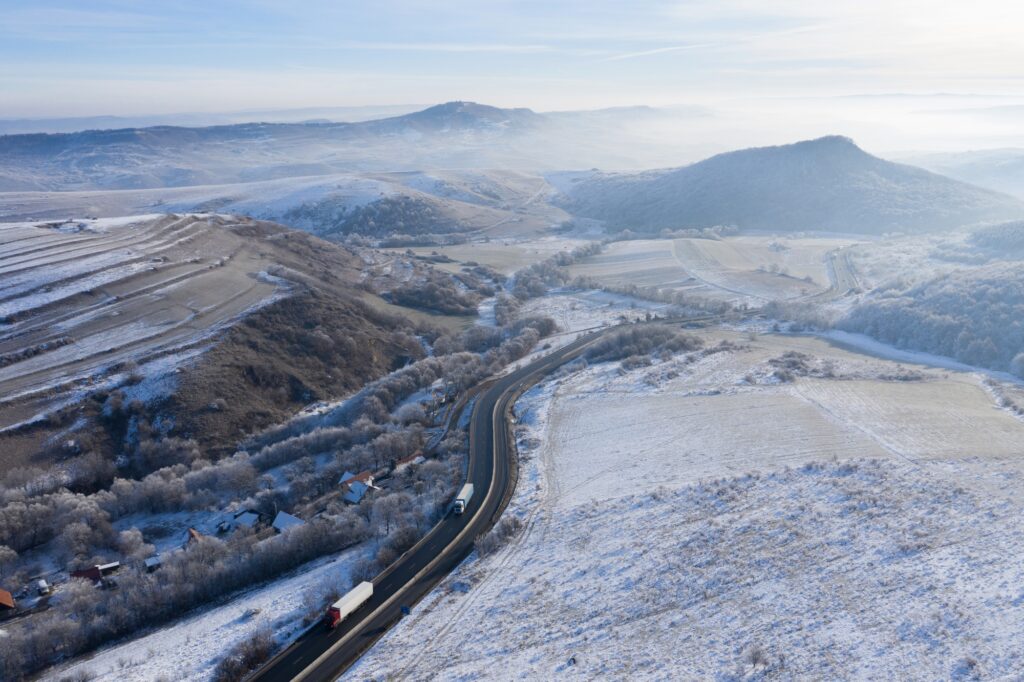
[94, 306]
[82, 298]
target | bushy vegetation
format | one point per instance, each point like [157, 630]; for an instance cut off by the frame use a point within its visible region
[245, 657]
[800, 315]
[1005, 237]
[397, 215]
[535, 280]
[975, 316]
[685, 303]
[640, 340]
[439, 293]
[498, 537]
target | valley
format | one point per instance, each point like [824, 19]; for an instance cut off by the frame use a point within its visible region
[774, 433]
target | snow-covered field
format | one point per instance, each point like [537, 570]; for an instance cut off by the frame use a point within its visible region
[505, 256]
[750, 269]
[651, 551]
[575, 311]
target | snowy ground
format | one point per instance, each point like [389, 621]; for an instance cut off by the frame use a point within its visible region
[575, 311]
[748, 269]
[649, 552]
[190, 648]
[505, 256]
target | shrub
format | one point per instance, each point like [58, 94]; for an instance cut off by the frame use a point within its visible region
[245, 657]
[499, 536]
[641, 340]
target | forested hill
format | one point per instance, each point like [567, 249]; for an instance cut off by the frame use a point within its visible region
[975, 316]
[828, 184]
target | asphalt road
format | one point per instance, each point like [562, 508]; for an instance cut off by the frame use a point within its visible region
[322, 654]
[844, 276]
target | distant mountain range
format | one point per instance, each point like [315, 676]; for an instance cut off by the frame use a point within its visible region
[21, 126]
[828, 184]
[323, 176]
[998, 169]
[455, 135]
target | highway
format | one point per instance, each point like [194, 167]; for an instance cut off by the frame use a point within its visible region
[321, 654]
[842, 273]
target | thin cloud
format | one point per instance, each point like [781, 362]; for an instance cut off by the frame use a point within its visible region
[658, 50]
[444, 47]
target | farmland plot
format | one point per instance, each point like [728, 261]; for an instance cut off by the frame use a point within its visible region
[750, 269]
[505, 256]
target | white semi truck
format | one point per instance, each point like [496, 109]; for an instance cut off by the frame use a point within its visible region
[343, 608]
[462, 499]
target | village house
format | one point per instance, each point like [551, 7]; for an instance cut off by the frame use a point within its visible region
[283, 521]
[415, 458]
[355, 486]
[242, 519]
[98, 572]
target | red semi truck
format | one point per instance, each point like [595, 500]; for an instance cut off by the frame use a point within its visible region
[343, 608]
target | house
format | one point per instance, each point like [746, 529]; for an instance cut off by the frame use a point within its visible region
[247, 518]
[414, 458]
[152, 563]
[362, 477]
[92, 573]
[355, 492]
[355, 486]
[98, 572]
[107, 569]
[6, 600]
[283, 521]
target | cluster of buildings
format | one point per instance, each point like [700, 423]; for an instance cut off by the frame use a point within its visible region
[354, 488]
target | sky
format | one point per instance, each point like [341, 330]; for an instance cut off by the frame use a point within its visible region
[102, 57]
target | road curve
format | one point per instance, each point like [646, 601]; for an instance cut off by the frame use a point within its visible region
[321, 654]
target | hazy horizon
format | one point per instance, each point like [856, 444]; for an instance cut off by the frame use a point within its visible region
[894, 76]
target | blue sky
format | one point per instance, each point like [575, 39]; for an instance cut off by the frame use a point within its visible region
[118, 57]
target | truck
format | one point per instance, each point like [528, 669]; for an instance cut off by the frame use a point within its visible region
[462, 499]
[343, 608]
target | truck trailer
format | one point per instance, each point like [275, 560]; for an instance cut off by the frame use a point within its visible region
[343, 608]
[462, 499]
